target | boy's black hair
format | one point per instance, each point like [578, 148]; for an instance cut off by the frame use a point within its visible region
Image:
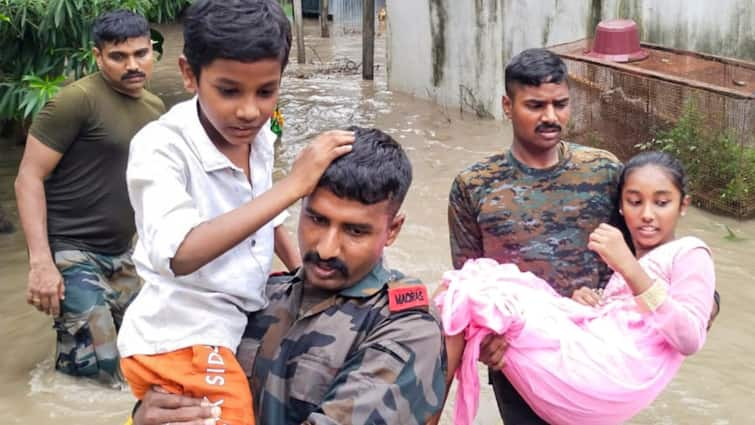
[117, 26]
[240, 30]
[533, 67]
[376, 169]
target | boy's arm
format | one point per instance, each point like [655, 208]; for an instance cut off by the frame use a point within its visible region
[45, 287]
[179, 241]
[214, 237]
[286, 250]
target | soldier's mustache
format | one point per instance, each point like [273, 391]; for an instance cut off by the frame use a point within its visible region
[132, 74]
[335, 263]
[546, 127]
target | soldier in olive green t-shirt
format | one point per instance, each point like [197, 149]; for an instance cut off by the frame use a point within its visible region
[73, 202]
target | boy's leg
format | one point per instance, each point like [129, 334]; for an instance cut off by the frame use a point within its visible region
[200, 371]
[221, 379]
[143, 372]
[85, 328]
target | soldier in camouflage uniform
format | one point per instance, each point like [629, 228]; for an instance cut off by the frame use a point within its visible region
[345, 339]
[534, 205]
[317, 356]
[73, 201]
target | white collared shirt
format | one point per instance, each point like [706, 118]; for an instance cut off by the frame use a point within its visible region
[177, 179]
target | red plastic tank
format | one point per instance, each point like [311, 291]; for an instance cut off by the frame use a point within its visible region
[617, 40]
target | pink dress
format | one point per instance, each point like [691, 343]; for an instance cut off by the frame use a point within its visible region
[572, 363]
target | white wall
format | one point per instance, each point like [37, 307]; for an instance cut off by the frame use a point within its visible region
[454, 51]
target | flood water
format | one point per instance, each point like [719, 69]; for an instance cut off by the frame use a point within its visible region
[713, 387]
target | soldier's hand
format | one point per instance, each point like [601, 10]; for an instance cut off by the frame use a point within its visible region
[160, 408]
[586, 296]
[45, 288]
[492, 349]
[317, 156]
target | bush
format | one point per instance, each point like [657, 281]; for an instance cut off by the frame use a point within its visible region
[721, 169]
[42, 42]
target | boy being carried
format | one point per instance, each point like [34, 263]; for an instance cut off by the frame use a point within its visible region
[200, 181]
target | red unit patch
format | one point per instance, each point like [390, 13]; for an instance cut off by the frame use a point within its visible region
[407, 297]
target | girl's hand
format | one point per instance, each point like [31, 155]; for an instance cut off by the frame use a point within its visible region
[608, 242]
[586, 296]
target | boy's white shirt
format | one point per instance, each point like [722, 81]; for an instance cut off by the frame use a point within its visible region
[177, 179]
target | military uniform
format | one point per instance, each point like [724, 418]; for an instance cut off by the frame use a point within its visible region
[538, 219]
[90, 222]
[371, 353]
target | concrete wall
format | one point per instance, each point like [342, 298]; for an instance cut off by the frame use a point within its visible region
[720, 27]
[454, 51]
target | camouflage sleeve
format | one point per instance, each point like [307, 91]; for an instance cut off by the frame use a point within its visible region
[464, 232]
[397, 376]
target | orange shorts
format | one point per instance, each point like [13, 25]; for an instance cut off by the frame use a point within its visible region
[198, 371]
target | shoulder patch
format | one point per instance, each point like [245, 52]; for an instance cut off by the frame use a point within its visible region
[405, 297]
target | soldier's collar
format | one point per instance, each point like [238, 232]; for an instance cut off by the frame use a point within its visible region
[564, 155]
[375, 280]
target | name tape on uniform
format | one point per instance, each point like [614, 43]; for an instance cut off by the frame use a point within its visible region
[407, 297]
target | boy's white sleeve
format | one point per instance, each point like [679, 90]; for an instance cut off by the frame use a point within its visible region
[157, 180]
[280, 218]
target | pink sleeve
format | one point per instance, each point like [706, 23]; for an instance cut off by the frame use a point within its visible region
[683, 317]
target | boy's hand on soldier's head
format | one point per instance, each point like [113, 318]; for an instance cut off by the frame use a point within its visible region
[312, 161]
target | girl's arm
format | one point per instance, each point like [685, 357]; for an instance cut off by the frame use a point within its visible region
[683, 316]
[680, 309]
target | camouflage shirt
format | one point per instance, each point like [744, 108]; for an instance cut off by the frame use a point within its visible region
[539, 219]
[344, 358]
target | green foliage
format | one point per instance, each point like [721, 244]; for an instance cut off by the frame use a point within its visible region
[288, 8]
[38, 91]
[715, 161]
[42, 42]
[162, 11]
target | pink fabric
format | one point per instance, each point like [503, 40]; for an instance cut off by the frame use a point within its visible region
[575, 364]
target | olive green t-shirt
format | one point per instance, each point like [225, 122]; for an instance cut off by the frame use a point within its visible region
[87, 201]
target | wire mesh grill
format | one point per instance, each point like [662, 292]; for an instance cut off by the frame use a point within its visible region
[620, 106]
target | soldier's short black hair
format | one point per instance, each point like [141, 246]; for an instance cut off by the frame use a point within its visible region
[117, 26]
[241, 30]
[533, 67]
[376, 169]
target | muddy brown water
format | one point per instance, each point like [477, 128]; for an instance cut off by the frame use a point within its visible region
[713, 387]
